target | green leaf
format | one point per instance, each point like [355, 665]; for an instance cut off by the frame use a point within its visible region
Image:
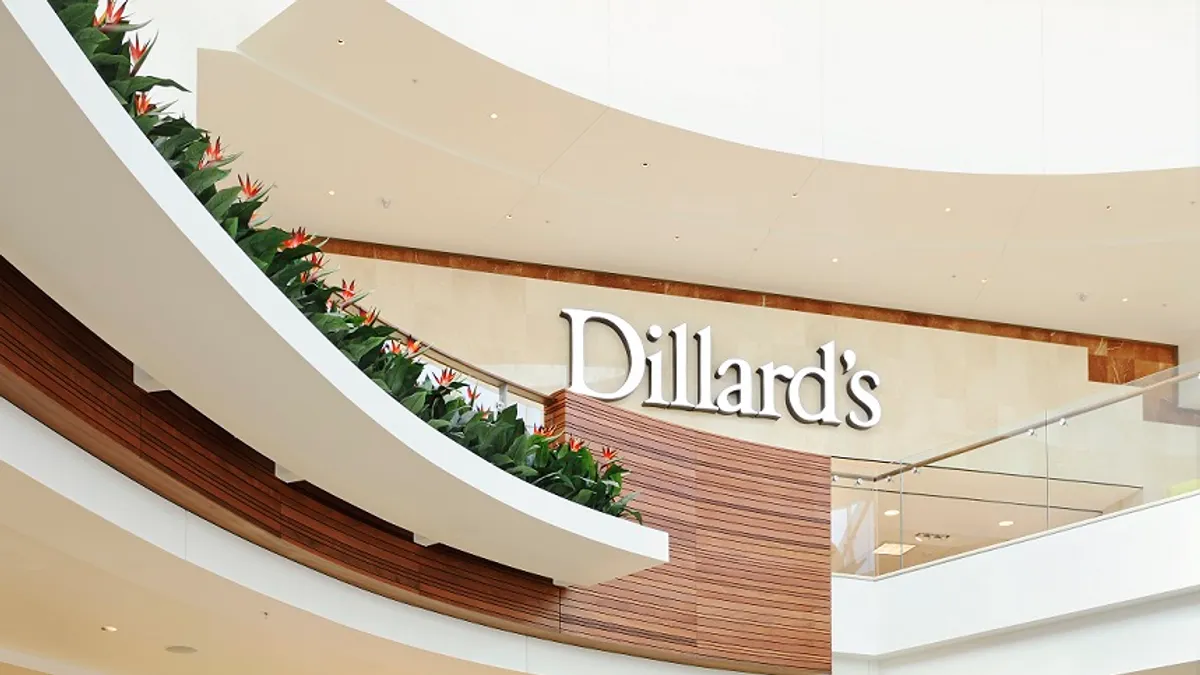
[128, 86]
[330, 323]
[77, 17]
[583, 496]
[415, 402]
[205, 178]
[220, 202]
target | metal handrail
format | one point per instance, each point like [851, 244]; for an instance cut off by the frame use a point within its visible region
[503, 385]
[1026, 428]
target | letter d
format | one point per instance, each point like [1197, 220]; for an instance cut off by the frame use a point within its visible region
[634, 351]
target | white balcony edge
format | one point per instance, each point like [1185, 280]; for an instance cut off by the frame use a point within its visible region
[135, 257]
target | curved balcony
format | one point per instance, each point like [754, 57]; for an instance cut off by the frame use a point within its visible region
[132, 254]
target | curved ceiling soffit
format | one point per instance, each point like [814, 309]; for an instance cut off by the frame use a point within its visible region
[406, 133]
[241, 335]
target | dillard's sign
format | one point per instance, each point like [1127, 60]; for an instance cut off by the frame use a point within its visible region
[738, 397]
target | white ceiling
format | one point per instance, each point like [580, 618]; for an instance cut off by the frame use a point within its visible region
[401, 112]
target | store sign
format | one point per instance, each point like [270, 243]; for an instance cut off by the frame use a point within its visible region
[737, 398]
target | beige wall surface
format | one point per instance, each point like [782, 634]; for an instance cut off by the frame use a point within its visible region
[938, 388]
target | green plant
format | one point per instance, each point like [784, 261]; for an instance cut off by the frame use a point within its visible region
[296, 265]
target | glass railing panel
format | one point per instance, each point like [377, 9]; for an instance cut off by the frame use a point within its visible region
[864, 518]
[965, 499]
[1128, 452]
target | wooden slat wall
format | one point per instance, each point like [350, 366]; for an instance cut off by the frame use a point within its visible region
[747, 588]
[749, 524]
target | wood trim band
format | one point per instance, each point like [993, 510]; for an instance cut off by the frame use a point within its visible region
[1111, 360]
[747, 588]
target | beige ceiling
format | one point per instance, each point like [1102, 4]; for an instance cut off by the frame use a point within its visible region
[402, 113]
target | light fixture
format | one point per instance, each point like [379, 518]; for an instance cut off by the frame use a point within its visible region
[341, 42]
[918, 538]
[182, 649]
[858, 481]
[835, 479]
[494, 116]
[795, 194]
[1108, 207]
[894, 548]
[834, 260]
[948, 209]
[676, 237]
[645, 165]
[1005, 523]
[891, 512]
[508, 216]
[332, 193]
[983, 281]
[1124, 299]
[108, 629]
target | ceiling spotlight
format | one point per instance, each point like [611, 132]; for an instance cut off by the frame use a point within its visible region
[795, 194]
[676, 237]
[834, 260]
[891, 512]
[1005, 523]
[508, 216]
[1108, 207]
[385, 202]
[835, 479]
[1124, 299]
[948, 209]
[341, 42]
[858, 481]
[983, 281]
[645, 165]
[493, 115]
[182, 649]
[332, 193]
[108, 629]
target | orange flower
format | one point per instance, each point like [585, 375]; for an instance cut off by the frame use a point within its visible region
[447, 377]
[369, 317]
[608, 455]
[574, 444]
[392, 347]
[141, 103]
[212, 154]
[543, 431]
[137, 52]
[412, 346]
[317, 261]
[299, 238]
[110, 16]
[250, 189]
[471, 394]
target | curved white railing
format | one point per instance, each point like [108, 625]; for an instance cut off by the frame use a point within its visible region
[100, 222]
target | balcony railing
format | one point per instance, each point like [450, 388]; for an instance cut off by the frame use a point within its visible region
[1061, 467]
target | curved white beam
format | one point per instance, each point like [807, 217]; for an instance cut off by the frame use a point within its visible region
[971, 86]
[100, 222]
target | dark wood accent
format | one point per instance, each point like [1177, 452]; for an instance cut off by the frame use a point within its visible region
[749, 524]
[1111, 360]
[747, 588]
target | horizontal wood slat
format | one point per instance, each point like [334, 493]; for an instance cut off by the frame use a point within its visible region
[749, 524]
[747, 587]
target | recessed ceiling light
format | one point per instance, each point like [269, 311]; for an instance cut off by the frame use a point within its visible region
[676, 237]
[493, 115]
[891, 512]
[948, 209]
[834, 260]
[341, 42]
[508, 216]
[1005, 523]
[894, 548]
[645, 165]
[182, 649]
[332, 193]
[983, 281]
[795, 194]
[1124, 299]
[1108, 207]
[108, 629]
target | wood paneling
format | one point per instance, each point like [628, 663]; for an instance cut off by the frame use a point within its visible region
[747, 588]
[1111, 360]
[749, 524]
